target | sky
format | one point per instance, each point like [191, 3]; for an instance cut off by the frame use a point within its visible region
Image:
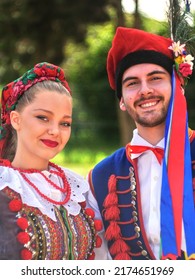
[152, 8]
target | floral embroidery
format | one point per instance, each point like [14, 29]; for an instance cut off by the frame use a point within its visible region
[183, 61]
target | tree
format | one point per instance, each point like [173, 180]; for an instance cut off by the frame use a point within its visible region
[95, 117]
[32, 31]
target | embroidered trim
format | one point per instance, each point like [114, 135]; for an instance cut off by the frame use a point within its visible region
[119, 248]
[70, 237]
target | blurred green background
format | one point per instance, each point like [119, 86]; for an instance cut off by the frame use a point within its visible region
[77, 36]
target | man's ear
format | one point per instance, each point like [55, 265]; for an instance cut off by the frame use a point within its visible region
[15, 119]
[122, 104]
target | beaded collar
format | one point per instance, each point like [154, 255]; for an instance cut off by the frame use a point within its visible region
[14, 180]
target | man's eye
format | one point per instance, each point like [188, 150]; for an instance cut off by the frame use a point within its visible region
[132, 83]
[156, 78]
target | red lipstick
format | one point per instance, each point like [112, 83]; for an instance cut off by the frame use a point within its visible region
[50, 143]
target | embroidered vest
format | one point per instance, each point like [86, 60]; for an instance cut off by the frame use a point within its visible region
[116, 186]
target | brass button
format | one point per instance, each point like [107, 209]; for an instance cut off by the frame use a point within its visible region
[134, 213]
[132, 187]
[144, 253]
[137, 229]
[133, 193]
[135, 218]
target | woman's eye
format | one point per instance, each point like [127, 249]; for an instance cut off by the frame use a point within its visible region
[67, 124]
[42, 118]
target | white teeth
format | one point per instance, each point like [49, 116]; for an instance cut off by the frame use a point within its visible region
[148, 104]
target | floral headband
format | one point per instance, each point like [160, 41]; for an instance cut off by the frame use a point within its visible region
[183, 61]
[12, 92]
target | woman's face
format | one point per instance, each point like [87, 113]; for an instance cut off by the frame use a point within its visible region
[43, 127]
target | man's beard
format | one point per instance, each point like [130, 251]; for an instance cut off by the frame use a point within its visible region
[149, 119]
[155, 121]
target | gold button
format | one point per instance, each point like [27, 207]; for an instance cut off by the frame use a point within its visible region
[135, 218]
[132, 187]
[137, 229]
[134, 213]
[144, 253]
[133, 193]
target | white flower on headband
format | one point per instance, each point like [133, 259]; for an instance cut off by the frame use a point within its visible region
[188, 59]
[177, 48]
[183, 61]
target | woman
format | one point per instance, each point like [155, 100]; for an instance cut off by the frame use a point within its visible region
[45, 210]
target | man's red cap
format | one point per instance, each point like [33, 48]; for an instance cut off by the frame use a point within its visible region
[133, 46]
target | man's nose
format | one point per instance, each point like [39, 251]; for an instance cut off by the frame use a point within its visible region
[145, 88]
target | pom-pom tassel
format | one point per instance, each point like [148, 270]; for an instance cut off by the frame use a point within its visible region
[113, 231]
[90, 212]
[91, 256]
[112, 213]
[111, 199]
[23, 237]
[112, 183]
[119, 246]
[22, 223]
[98, 241]
[26, 254]
[122, 256]
[15, 205]
[98, 225]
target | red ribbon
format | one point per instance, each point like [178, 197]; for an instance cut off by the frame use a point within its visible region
[134, 149]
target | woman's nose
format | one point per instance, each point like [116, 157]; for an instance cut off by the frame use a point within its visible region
[53, 130]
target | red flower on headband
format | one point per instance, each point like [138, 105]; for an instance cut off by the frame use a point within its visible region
[42, 72]
[14, 90]
[185, 69]
[183, 61]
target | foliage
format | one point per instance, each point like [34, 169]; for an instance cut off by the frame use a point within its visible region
[32, 31]
[83, 159]
[95, 102]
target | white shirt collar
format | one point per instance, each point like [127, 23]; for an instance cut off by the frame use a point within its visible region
[138, 140]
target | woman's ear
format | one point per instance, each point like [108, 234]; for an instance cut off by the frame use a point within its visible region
[15, 119]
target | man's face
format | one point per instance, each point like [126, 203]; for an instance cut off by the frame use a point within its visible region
[146, 92]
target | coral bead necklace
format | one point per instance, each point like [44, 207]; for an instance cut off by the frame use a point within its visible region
[66, 189]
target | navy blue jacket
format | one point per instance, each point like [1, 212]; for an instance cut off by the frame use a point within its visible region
[128, 193]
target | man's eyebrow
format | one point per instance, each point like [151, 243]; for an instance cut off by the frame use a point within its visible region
[129, 78]
[156, 72]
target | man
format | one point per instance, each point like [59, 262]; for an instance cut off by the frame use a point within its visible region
[145, 190]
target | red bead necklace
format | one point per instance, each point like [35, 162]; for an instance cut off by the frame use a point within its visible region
[65, 189]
